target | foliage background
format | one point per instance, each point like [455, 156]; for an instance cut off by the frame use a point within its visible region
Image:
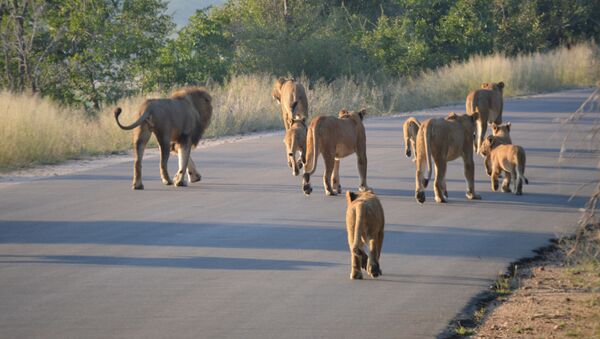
[90, 53]
[65, 64]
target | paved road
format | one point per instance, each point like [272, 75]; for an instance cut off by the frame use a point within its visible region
[244, 254]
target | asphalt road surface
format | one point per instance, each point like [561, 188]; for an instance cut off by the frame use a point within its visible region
[244, 254]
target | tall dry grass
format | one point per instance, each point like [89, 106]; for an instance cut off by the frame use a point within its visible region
[36, 130]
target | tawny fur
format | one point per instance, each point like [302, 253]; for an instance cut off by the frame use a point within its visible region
[295, 144]
[445, 139]
[178, 123]
[488, 102]
[502, 132]
[364, 225]
[291, 97]
[410, 128]
[507, 159]
[335, 138]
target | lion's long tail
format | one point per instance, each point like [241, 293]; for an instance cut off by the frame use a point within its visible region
[138, 122]
[520, 168]
[359, 227]
[427, 141]
[407, 129]
[312, 150]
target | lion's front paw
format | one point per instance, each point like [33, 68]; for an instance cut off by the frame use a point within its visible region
[374, 270]
[356, 275]
[420, 196]
[194, 177]
[473, 196]
[330, 193]
[180, 180]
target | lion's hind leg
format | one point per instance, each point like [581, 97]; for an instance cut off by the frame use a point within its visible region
[165, 148]
[193, 174]
[373, 263]
[183, 153]
[358, 256]
[439, 184]
[140, 138]
[506, 182]
[335, 178]
[329, 161]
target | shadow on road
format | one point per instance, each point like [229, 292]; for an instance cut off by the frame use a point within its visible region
[399, 239]
[186, 262]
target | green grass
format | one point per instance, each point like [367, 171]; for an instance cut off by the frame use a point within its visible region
[37, 131]
[464, 331]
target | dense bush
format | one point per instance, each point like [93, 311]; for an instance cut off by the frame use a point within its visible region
[90, 52]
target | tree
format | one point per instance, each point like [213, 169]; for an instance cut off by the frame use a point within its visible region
[26, 42]
[105, 49]
[202, 50]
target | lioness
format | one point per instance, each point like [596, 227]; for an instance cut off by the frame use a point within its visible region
[488, 102]
[295, 142]
[509, 159]
[364, 224]
[291, 96]
[445, 139]
[178, 123]
[410, 129]
[502, 132]
[335, 138]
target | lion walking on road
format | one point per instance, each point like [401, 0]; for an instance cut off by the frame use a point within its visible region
[178, 123]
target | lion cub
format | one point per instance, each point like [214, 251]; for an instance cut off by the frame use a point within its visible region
[509, 159]
[295, 142]
[502, 132]
[410, 128]
[364, 223]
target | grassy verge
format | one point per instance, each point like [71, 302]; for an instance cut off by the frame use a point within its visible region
[38, 131]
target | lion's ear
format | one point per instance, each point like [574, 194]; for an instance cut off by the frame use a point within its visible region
[494, 127]
[362, 113]
[501, 85]
[342, 113]
[451, 116]
[350, 197]
[484, 85]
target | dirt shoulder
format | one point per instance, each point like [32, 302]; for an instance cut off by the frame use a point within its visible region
[551, 296]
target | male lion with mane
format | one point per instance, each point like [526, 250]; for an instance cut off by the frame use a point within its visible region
[335, 138]
[178, 123]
